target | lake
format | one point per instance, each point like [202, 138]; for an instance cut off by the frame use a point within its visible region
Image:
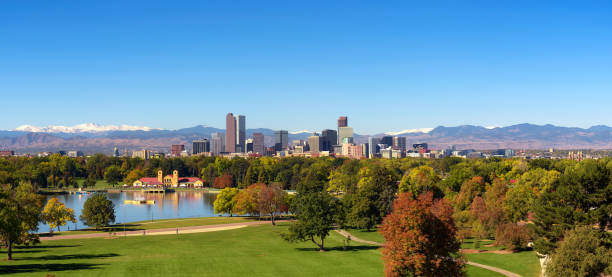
[181, 204]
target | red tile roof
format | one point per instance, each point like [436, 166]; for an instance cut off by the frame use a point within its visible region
[150, 180]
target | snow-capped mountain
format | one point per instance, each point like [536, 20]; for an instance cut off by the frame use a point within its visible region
[410, 131]
[82, 128]
[300, 132]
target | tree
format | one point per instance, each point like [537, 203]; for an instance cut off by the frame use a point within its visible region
[226, 201]
[112, 175]
[223, 181]
[316, 213]
[247, 200]
[56, 214]
[512, 236]
[134, 175]
[583, 252]
[519, 201]
[20, 211]
[272, 200]
[419, 180]
[420, 236]
[98, 211]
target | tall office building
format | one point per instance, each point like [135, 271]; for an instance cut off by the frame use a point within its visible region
[388, 140]
[314, 142]
[240, 133]
[345, 135]
[399, 143]
[176, 149]
[328, 139]
[217, 143]
[249, 146]
[281, 138]
[230, 133]
[200, 146]
[373, 146]
[258, 144]
[116, 152]
[342, 121]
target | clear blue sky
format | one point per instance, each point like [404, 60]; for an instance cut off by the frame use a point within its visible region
[298, 65]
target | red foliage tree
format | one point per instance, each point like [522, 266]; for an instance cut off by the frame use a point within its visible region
[247, 200]
[271, 200]
[223, 181]
[420, 237]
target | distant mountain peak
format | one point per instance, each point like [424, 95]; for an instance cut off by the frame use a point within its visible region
[300, 132]
[410, 131]
[82, 128]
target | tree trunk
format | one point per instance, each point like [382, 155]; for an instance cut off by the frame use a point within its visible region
[272, 216]
[9, 250]
[322, 249]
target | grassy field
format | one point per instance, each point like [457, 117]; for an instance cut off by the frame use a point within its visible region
[371, 235]
[250, 251]
[162, 223]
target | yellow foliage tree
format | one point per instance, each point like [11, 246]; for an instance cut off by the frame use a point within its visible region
[56, 214]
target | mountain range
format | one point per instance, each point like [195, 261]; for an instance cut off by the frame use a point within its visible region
[93, 138]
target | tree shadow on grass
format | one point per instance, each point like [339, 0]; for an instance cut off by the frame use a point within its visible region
[69, 257]
[341, 248]
[31, 268]
[40, 246]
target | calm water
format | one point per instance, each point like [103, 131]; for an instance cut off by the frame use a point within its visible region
[167, 205]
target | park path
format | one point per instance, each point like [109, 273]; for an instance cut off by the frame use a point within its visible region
[491, 268]
[163, 231]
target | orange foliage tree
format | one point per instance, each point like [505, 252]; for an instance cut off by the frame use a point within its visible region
[223, 181]
[247, 200]
[420, 237]
[271, 200]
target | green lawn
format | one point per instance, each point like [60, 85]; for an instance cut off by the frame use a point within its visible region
[372, 235]
[474, 271]
[484, 244]
[250, 251]
[164, 223]
[524, 263]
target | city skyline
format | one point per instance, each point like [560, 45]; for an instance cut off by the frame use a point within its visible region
[405, 64]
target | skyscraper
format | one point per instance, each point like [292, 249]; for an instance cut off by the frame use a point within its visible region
[217, 144]
[328, 139]
[342, 121]
[314, 142]
[240, 133]
[373, 146]
[230, 133]
[345, 135]
[399, 143]
[258, 144]
[387, 140]
[200, 146]
[176, 149]
[281, 138]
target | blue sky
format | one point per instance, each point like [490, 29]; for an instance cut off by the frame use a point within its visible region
[298, 65]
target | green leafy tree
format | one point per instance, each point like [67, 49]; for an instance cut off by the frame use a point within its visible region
[316, 213]
[20, 212]
[226, 201]
[98, 211]
[583, 252]
[112, 175]
[56, 214]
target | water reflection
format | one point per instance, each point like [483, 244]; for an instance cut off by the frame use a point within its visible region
[182, 204]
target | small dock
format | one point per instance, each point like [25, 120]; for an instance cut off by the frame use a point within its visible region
[137, 202]
[156, 190]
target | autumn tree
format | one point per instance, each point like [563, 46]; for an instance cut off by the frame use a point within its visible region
[20, 212]
[133, 175]
[226, 201]
[247, 200]
[271, 200]
[98, 211]
[223, 181]
[420, 238]
[56, 214]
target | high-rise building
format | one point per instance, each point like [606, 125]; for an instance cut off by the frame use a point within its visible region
[399, 143]
[200, 146]
[230, 133]
[249, 145]
[387, 140]
[116, 152]
[328, 139]
[258, 144]
[314, 142]
[143, 154]
[420, 147]
[240, 133]
[217, 144]
[345, 135]
[176, 149]
[373, 147]
[342, 121]
[281, 138]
